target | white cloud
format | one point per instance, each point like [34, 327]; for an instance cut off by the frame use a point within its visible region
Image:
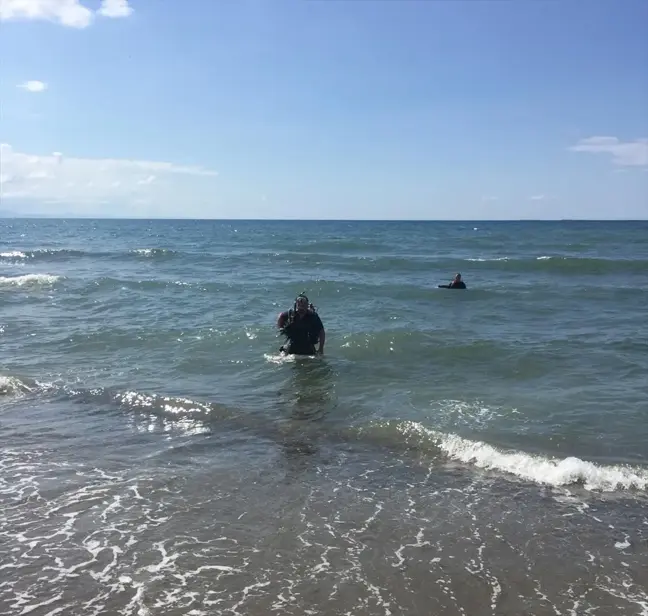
[70, 13]
[543, 197]
[56, 178]
[625, 154]
[115, 8]
[33, 86]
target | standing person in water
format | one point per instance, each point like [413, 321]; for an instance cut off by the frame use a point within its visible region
[303, 328]
[457, 283]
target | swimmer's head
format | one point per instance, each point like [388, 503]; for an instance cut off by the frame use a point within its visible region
[301, 304]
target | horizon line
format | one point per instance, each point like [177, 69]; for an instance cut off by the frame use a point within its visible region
[393, 220]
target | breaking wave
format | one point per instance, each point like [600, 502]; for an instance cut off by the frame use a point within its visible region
[433, 444]
[28, 279]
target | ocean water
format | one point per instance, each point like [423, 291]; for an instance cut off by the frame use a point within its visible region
[452, 452]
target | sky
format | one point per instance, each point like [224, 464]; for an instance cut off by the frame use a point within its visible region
[324, 109]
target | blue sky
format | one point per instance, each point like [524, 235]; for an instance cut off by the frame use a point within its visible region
[325, 108]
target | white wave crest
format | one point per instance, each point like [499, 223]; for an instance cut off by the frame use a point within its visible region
[536, 468]
[14, 254]
[10, 385]
[28, 279]
[152, 252]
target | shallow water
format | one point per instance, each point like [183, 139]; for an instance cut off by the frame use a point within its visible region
[456, 452]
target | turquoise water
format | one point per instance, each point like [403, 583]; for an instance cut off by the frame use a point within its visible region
[145, 401]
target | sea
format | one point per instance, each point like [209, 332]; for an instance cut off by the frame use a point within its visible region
[452, 452]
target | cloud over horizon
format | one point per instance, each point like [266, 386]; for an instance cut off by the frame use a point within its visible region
[625, 154]
[56, 178]
[69, 13]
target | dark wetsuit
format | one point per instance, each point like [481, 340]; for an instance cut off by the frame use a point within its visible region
[453, 285]
[302, 332]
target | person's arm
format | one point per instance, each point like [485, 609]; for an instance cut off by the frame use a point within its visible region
[321, 333]
[281, 321]
[322, 340]
[444, 286]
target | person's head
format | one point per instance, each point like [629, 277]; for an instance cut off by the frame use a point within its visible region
[301, 304]
[457, 277]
